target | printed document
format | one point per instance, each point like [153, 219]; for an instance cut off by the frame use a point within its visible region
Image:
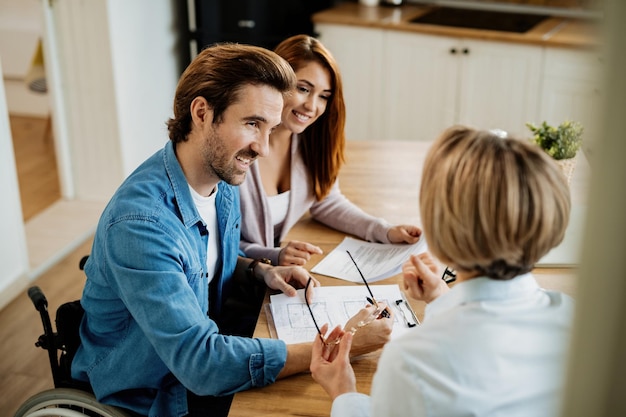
[376, 260]
[290, 319]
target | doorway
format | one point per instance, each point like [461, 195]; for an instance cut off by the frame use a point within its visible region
[36, 164]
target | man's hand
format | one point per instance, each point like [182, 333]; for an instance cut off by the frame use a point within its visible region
[287, 279]
[421, 279]
[404, 234]
[297, 253]
[368, 338]
[374, 335]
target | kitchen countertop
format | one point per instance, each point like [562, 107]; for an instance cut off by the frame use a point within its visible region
[554, 31]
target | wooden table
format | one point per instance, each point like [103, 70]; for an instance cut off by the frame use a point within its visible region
[383, 178]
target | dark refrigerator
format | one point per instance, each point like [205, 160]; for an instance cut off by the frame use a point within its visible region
[257, 22]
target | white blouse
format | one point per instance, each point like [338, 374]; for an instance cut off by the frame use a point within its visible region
[486, 348]
[278, 205]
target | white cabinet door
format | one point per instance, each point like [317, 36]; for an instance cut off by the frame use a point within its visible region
[358, 52]
[434, 82]
[421, 86]
[412, 86]
[572, 91]
[499, 85]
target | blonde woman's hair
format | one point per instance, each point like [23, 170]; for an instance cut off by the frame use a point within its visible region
[491, 205]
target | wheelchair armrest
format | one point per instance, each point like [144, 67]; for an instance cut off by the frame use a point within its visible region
[39, 300]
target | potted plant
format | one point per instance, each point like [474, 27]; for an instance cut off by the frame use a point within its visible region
[561, 143]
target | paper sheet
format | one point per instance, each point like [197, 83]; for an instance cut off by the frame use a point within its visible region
[376, 260]
[334, 305]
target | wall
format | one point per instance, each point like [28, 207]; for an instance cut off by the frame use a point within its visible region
[145, 95]
[13, 257]
[112, 68]
[597, 373]
[20, 30]
[113, 73]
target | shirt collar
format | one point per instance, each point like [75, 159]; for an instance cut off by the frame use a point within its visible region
[482, 289]
[180, 186]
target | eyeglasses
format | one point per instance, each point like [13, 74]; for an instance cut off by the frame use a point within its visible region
[372, 300]
[449, 275]
[380, 311]
[377, 313]
[317, 327]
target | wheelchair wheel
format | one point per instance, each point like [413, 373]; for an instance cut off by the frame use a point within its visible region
[66, 402]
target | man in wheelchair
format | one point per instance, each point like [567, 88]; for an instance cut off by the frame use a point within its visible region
[160, 335]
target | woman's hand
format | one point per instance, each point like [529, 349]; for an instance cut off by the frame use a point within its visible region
[421, 279]
[404, 234]
[297, 253]
[330, 364]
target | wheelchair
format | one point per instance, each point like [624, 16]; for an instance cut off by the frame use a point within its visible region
[69, 397]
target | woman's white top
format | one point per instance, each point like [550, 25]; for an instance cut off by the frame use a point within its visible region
[486, 348]
[258, 239]
[278, 205]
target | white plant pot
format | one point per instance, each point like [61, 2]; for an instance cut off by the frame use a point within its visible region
[567, 167]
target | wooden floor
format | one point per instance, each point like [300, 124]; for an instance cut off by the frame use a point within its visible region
[24, 369]
[36, 164]
[54, 226]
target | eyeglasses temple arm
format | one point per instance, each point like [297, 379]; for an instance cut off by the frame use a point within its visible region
[360, 273]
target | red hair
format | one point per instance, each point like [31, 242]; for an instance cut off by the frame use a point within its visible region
[323, 143]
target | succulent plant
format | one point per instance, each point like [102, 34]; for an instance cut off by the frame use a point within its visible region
[562, 142]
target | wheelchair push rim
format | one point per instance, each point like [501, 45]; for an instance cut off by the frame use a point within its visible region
[66, 402]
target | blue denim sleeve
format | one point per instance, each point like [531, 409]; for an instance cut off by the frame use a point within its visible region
[156, 320]
[264, 367]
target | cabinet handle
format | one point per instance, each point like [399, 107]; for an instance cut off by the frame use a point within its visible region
[250, 24]
[466, 51]
[453, 51]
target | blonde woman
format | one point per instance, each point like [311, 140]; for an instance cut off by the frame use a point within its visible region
[495, 344]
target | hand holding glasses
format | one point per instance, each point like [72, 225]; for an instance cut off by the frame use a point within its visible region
[334, 339]
[380, 310]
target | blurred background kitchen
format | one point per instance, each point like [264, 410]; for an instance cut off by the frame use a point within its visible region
[89, 84]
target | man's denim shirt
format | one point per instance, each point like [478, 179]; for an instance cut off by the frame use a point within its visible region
[146, 334]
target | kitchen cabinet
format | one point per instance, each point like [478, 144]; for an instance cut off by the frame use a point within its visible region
[358, 52]
[439, 81]
[422, 86]
[572, 90]
[426, 83]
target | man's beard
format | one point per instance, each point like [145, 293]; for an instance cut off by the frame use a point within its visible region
[219, 161]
